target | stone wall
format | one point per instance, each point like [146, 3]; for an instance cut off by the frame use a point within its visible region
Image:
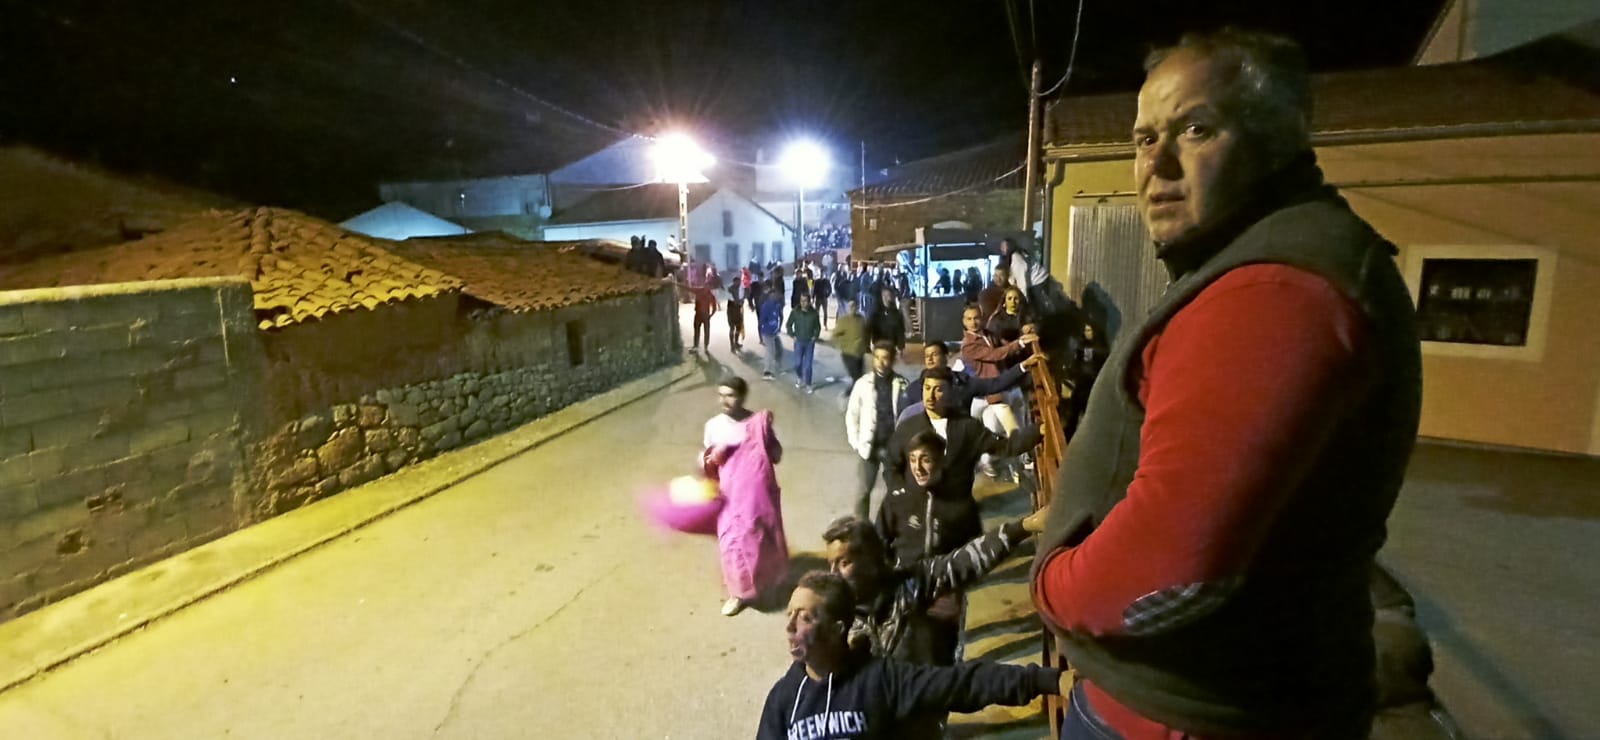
[140, 420]
[522, 367]
[121, 432]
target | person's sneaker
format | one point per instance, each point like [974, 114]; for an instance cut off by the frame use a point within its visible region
[810, 390]
[799, 384]
[766, 376]
[988, 470]
[733, 606]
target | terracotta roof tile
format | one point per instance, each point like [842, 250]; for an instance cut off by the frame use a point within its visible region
[524, 276]
[300, 268]
[992, 166]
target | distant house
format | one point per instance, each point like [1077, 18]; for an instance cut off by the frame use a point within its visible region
[520, 204]
[980, 187]
[399, 221]
[725, 228]
[1485, 174]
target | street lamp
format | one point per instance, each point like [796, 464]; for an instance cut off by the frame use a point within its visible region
[680, 160]
[806, 164]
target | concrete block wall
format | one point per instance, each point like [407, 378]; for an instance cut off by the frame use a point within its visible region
[522, 369]
[121, 428]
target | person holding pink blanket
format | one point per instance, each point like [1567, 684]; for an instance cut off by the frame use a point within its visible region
[740, 452]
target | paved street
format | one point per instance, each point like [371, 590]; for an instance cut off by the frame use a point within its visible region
[529, 601]
[532, 601]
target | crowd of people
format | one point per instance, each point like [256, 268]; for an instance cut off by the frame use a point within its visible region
[1207, 564]
[889, 607]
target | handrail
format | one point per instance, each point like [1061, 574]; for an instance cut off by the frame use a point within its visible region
[1045, 408]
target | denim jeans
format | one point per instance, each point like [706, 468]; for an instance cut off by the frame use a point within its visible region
[805, 352]
[774, 352]
[1081, 723]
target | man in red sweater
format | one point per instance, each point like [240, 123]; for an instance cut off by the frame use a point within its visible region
[1216, 516]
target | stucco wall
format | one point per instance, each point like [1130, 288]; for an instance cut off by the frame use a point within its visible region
[1509, 196]
[750, 224]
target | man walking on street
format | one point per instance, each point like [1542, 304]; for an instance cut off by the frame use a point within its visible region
[804, 327]
[850, 338]
[887, 324]
[705, 306]
[869, 419]
[769, 322]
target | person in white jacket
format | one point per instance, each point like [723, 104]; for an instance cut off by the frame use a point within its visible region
[869, 419]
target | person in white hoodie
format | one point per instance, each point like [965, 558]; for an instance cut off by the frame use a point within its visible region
[875, 402]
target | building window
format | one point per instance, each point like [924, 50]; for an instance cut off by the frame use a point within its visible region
[702, 253]
[575, 343]
[727, 223]
[730, 255]
[1476, 301]
[758, 253]
[777, 252]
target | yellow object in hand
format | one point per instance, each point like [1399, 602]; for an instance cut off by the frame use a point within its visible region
[688, 489]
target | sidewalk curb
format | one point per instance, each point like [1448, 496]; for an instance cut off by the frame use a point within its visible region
[58, 633]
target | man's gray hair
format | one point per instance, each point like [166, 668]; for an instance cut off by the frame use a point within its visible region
[1271, 84]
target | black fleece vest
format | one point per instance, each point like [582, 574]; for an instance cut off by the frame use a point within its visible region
[1292, 648]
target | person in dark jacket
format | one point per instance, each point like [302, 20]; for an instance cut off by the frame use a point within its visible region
[821, 289]
[923, 519]
[964, 387]
[844, 289]
[1207, 563]
[886, 323]
[769, 323]
[834, 691]
[966, 438]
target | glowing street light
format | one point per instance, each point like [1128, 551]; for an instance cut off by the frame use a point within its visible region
[806, 164]
[679, 159]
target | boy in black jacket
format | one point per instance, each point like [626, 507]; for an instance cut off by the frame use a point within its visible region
[966, 439]
[833, 692]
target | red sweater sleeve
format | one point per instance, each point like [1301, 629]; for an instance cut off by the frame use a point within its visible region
[1239, 383]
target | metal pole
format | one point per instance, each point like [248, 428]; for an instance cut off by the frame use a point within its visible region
[800, 226]
[1030, 181]
[683, 222]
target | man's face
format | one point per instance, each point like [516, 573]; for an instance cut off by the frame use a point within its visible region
[888, 296]
[933, 355]
[805, 301]
[933, 394]
[883, 361]
[1002, 276]
[729, 399]
[860, 572]
[969, 319]
[809, 628]
[1193, 163]
[924, 464]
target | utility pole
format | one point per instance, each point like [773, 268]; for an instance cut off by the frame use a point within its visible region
[1030, 181]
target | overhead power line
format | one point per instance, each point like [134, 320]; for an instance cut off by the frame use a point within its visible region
[1072, 58]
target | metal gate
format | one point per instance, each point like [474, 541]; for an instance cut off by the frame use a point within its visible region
[1112, 266]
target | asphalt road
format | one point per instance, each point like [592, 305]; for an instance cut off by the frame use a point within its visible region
[530, 601]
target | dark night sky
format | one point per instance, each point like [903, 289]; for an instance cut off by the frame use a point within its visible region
[333, 95]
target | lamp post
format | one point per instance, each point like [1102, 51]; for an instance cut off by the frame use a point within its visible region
[680, 160]
[806, 164]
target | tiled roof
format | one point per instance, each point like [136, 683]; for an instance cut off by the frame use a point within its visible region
[640, 203]
[300, 268]
[996, 165]
[1517, 89]
[524, 276]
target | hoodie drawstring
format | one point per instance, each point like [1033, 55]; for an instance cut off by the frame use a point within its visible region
[827, 705]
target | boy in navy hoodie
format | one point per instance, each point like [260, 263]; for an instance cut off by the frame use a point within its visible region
[831, 692]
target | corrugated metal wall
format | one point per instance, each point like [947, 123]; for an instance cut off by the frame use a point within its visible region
[1113, 270]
